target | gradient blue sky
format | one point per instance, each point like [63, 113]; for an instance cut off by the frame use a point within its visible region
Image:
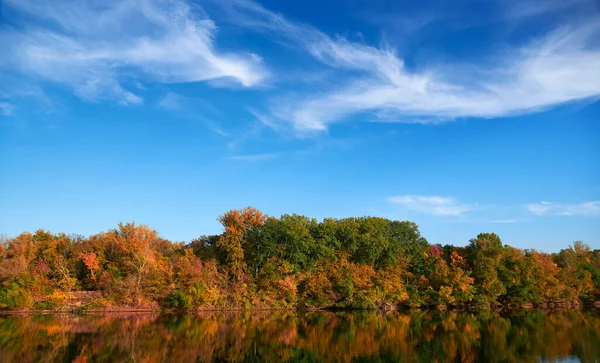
[463, 116]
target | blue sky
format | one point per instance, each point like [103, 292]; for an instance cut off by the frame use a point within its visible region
[464, 116]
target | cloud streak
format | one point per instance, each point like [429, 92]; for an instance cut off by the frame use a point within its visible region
[591, 209]
[101, 51]
[255, 157]
[6, 108]
[560, 67]
[435, 205]
[97, 48]
[171, 101]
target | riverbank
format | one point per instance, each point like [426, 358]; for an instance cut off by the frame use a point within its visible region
[261, 262]
[462, 307]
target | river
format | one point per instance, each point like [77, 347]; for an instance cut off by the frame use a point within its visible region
[280, 336]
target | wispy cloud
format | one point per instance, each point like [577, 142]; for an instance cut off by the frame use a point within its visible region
[435, 205]
[560, 67]
[486, 221]
[193, 108]
[504, 221]
[582, 209]
[171, 101]
[255, 157]
[6, 108]
[14, 88]
[177, 102]
[99, 48]
[557, 69]
[529, 8]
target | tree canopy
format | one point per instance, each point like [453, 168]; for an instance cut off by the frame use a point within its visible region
[287, 262]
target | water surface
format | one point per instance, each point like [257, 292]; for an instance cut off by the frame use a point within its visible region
[417, 336]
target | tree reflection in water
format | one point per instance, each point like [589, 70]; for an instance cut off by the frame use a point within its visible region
[369, 336]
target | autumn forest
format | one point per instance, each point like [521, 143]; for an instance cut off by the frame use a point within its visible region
[263, 262]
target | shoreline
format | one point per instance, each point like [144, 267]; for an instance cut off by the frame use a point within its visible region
[402, 308]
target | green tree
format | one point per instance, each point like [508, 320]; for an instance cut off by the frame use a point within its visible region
[485, 254]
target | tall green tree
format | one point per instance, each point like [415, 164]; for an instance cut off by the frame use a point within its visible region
[485, 255]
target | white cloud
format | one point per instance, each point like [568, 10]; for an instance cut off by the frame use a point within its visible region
[485, 221]
[171, 101]
[529, 8]
[439, 206]
[101, 50]
[98, 47]
[193, 108]
[560, 67]
[548, 208]
[14, 88]
[6, 108]
[255, 157]
[555, 70]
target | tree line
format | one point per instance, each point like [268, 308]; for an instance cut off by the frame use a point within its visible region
[292, 261]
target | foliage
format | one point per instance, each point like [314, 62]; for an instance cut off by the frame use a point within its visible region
[287, 262]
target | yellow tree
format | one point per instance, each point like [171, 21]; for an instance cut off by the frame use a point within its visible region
[132, 247]
[238, 224]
